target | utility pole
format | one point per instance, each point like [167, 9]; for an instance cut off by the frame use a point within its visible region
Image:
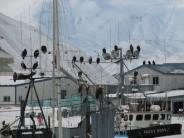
[121, 79]
[86, 111]
[117, 54]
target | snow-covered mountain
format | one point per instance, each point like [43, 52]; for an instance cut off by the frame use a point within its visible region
[16, 36]
[151, 24]
[157, 26]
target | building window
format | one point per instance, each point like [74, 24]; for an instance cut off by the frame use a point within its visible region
[156, 80]
[20, 98]
[63, 94]
[6, 98]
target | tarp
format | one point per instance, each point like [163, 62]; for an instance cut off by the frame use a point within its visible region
[70, 102]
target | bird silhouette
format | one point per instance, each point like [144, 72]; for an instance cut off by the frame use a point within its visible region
[35, 65]
[23, 66]
[24, 53]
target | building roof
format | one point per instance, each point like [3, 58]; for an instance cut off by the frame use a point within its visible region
[166, 68]
[172, 93]
[7, 81]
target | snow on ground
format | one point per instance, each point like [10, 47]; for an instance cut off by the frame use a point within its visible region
[9, 114]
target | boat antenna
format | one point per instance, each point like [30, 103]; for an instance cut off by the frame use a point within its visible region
[165, 51]
[110, 33]
[21, 32]
[118, 57]
[129, 35]
[118, 34]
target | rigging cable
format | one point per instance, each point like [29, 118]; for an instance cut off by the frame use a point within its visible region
[82, 38]
[9, 125]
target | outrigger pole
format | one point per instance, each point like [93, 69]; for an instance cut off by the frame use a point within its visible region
[56, 65]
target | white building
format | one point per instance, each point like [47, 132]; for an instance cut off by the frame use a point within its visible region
[11, 93]
[158, 77]
[161, 83]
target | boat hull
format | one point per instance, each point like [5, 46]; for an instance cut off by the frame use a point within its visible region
[155, 131]
[28, 133]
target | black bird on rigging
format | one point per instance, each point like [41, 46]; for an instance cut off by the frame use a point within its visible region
[24, 53]
[35, 65]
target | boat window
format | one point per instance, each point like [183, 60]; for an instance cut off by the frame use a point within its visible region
[155, 116]
[168, 117]
[125, 117]
[162, 117]
[130, 117]
[139, 117]
[147, 117]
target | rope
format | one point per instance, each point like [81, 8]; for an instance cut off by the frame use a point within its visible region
[8, 127]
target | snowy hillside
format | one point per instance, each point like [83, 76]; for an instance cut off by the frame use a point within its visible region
[94, 24]
[145, 22]
[16, 36]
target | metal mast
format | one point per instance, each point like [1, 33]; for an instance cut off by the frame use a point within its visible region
[121, 79]
[56, 65]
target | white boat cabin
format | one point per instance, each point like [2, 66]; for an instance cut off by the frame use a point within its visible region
[135, 120]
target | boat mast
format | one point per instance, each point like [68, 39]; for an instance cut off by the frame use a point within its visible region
[56, 65]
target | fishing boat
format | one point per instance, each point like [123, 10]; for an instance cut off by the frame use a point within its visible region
[145, 123]
[140, 118]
